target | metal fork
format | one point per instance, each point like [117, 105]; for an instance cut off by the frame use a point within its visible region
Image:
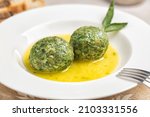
[136, 75]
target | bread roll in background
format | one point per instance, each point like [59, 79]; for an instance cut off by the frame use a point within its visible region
[11, 7]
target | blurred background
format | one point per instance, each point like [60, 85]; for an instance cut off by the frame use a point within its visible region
[140, 8]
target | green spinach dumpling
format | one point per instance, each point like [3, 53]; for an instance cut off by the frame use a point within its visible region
[89, 43]
[51, 54]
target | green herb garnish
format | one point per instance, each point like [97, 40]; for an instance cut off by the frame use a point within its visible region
[107, 25]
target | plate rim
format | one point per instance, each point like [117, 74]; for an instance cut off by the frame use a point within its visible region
[133, 84]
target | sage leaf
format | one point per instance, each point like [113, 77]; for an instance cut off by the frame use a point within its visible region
[110, 13]
[115, 27]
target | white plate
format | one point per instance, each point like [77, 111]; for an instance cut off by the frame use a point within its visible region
[18, 32]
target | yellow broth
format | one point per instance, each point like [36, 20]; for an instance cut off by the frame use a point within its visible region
[79, 71]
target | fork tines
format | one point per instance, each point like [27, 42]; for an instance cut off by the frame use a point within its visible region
[134, 74]
[144, 72]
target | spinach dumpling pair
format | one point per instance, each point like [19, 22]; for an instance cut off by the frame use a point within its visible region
[53, 54]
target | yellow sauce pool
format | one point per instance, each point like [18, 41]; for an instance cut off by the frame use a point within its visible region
[80, 71]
